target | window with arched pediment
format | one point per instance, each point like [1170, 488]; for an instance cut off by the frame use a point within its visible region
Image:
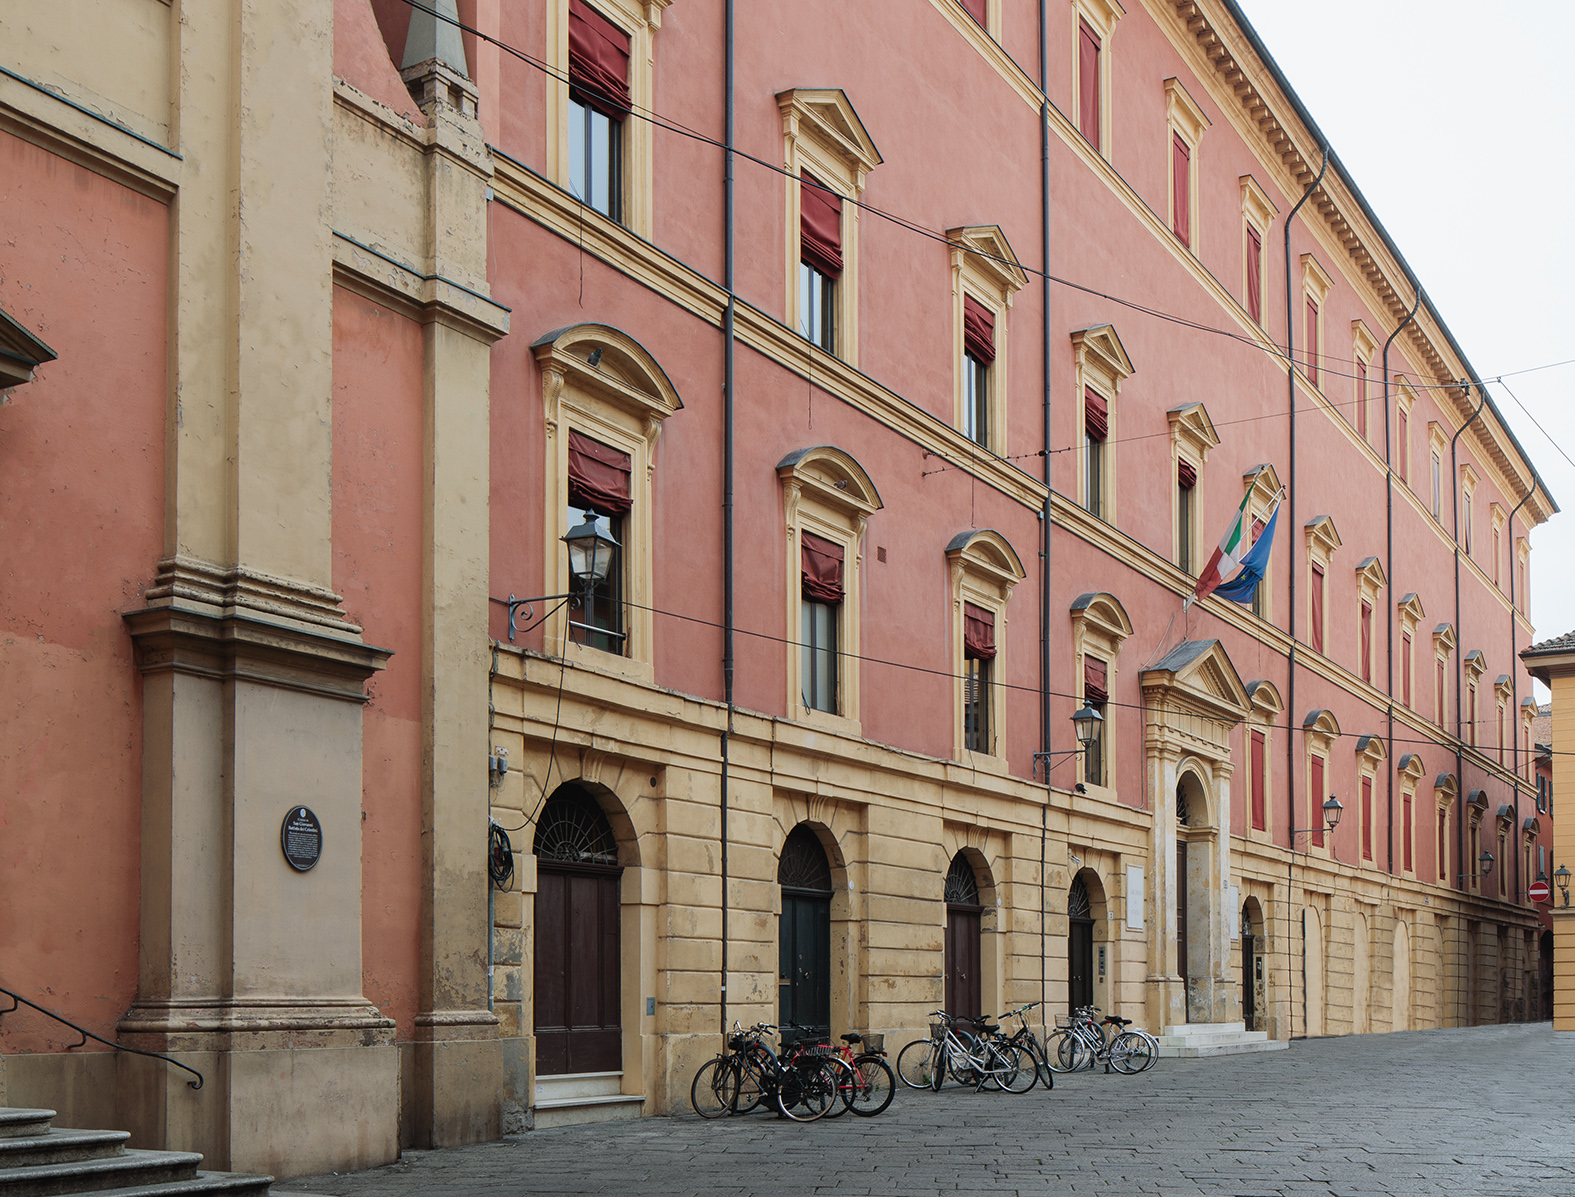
[828, 499]
[605, 400]
[1099, 626]
[984, 568]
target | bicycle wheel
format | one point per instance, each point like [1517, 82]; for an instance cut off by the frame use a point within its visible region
[916, 1063]
[1130, 1053]
[964, 1064]
[808, 1090]
[1060, 1052]
[874, 1086]
[714, 1091]
[1072, 1054]
[845, 1081]
[1042, 1070]
[1153, 1050]
[1014, 1069]
[752, 1084]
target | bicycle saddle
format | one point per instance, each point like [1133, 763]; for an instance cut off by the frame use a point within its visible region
[1118, 1020]
[853, 1038]
[987, 1029]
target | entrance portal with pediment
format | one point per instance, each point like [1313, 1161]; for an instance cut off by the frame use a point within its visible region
[1193, 698]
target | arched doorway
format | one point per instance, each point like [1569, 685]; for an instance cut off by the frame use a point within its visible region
[1079, 946]
[1194, 847]
[577, 974]
[804, 936]
[1312, 972]
[964, 960]
[1251, 964]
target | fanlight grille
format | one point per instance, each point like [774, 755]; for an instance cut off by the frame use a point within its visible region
[573, 829]
[1077, 903]
[962, 887]
[803, 864]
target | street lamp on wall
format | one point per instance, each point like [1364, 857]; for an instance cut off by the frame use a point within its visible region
[1485, 867]
[1561, 876]
[591, 551]
[1332, 810]
[1086, 722]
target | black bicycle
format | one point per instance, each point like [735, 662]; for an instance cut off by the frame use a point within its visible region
[804, 1086]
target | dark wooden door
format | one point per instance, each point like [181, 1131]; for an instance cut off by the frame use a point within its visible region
[804, 964]
[1181, 911]
[964, 996]
[1249, 1005]
[577, 971]
[1080, 962]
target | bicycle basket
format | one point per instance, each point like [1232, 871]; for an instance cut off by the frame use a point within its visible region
[937, 1031]
[871, 1042]
[1063, 1022]
[737, 1043]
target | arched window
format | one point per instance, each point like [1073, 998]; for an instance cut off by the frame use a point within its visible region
[573, 830]
[803, 864]
[962, 887]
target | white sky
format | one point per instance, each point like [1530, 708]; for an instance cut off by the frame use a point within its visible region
[1457, 121]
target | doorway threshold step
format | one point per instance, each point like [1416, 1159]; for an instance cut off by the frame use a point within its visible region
[1215, 1039]
[580, 1111]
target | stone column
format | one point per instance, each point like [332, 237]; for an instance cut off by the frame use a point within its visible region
[1167, 998]
[253, 677]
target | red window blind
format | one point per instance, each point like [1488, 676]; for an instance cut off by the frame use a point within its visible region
[1312, 342]
[1315, 594]
[1095, 679]
[1495, 556]
[598, 61]
[1180, 188]
[1404, 447]
[1088, 65]
[1367, 818]
[1438, 688]
[821, 565]
[1405, 668]
[978, 330]
[1254, 274]
[820, 226]
[978, 633]
[598, 476]
[1256, 777]
[1315, 800]
[1257, 531]
[1361, 398]
[1367, 642]
[1405, 831]
[976, 9]
[1443, 847]
[1471, 716]
[1096, 415]
[1186, 475]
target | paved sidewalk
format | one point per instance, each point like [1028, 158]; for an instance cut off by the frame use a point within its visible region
[1478, 1112]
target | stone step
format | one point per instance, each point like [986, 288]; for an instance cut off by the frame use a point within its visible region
[127, 1170]
[20, 1122]
[584, 1110]
[1202, 1040]
[1220, 1049]
[60, 1146]
[1204, 1028]
[203, 1184]
[571, 1085]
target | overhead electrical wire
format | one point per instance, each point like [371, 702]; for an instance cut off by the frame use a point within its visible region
[1329, 362]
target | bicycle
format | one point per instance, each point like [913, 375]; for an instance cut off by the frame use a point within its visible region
[749, 1074]
[1081, 1043]
[1025, 1039]
[808, 1046]
[874, 1084]
[978, 1061]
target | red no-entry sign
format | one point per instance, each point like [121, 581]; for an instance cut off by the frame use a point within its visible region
[1538, 891]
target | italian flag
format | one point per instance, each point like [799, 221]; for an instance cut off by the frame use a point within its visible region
[1232, 547]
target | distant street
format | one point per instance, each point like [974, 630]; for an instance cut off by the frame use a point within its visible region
[1477, 1112]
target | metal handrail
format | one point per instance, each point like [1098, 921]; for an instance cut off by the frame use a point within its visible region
[18, 1000]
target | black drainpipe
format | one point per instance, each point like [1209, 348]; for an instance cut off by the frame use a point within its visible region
[1389, 570]
[1045, 524]
[727, 497]
[1460, 645]
[1290, 596]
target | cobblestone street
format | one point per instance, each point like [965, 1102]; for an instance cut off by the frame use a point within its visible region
[1476, 1111]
